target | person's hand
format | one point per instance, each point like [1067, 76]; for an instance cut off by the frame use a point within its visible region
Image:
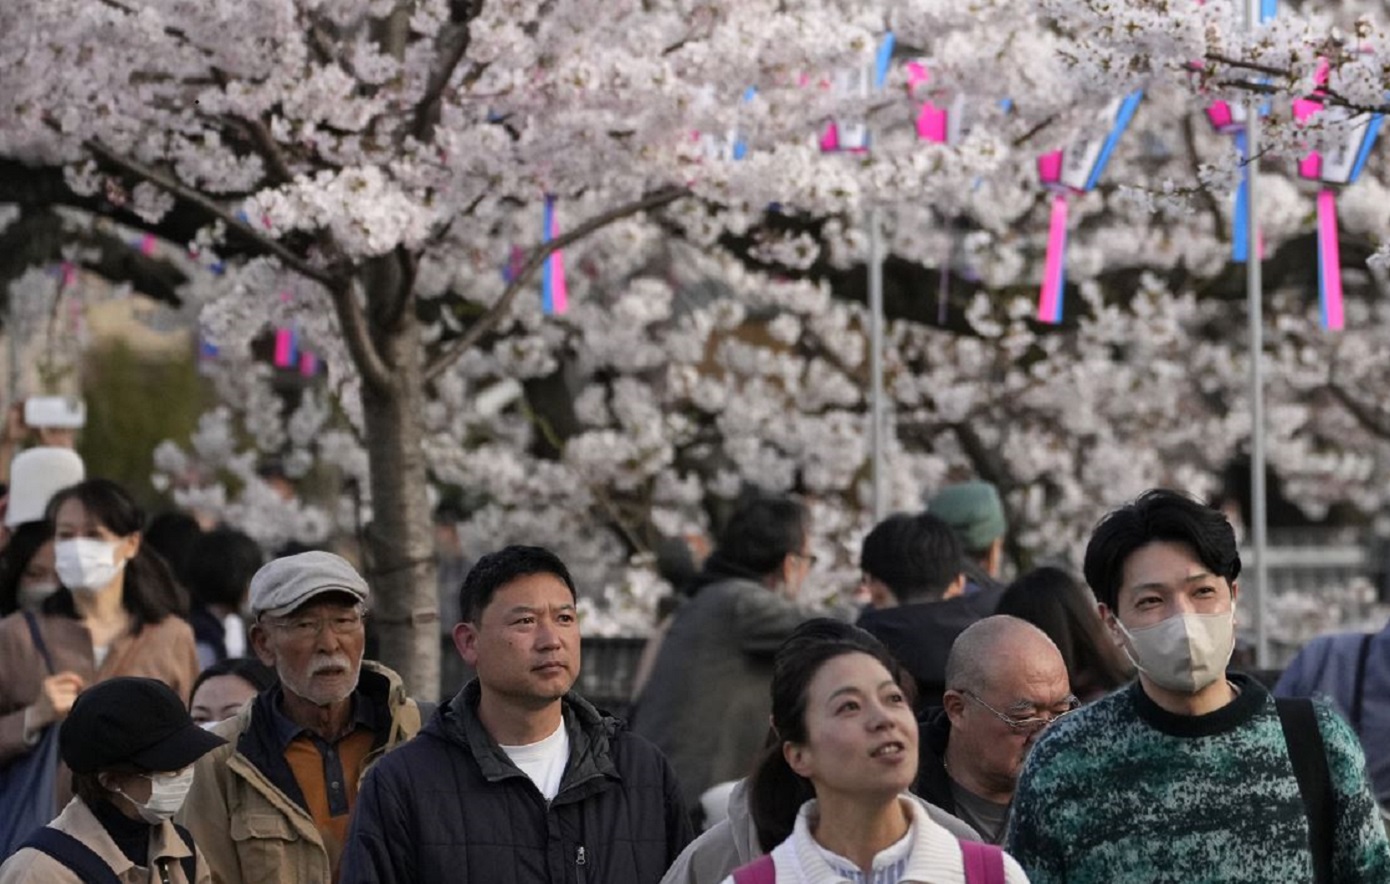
[58, 437]
[16, 431]
[56, 696]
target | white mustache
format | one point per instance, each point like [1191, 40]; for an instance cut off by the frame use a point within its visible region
[323, 664]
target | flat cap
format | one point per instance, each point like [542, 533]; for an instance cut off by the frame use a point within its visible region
[974, 510]
[285, 584]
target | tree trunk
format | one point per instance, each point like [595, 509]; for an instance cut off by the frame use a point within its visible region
[400, 540]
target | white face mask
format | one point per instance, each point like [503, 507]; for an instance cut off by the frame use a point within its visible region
[86, 565]
[1186, 652]
[167, 793]
[32, 597]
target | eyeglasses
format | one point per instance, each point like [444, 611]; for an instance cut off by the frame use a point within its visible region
[308, 628]
[1027, 725]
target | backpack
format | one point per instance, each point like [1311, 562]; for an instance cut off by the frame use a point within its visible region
[984, 864]
[28, 783]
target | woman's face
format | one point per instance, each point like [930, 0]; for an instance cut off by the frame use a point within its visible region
[39, 578]
[861, 735]
[73, 520]
[219, 697]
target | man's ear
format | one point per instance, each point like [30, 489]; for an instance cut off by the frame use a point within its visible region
[957, 587]
[466, 642]
[954, 704]
[1107, 619]
[259, 635]
[798, 758]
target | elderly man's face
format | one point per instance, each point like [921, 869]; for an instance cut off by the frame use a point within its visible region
[1002, 720]
[317, 649]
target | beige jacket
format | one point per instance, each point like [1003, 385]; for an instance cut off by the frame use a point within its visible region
[249, 829]
[30, 866]
[162, 650]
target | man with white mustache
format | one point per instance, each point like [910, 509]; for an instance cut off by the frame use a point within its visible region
[274, 803]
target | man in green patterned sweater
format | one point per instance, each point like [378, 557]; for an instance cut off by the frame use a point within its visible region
[1184, 776]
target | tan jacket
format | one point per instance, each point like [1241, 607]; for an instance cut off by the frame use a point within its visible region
[162, 650]
[250, 830]
[30, 866]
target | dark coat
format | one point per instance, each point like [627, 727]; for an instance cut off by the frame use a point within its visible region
[920, 635]
[933, 783]
[450, 806]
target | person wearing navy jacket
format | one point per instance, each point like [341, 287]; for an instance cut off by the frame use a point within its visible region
[517, 778]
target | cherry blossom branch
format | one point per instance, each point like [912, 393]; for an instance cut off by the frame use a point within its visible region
[365, 355]
[189, 195]
[1360, 411]
[427, 111]
[494, 315]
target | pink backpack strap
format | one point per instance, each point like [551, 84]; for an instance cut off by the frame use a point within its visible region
[984, 863]
[762, 871]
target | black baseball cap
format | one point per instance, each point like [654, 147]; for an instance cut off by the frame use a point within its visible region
[131, 722]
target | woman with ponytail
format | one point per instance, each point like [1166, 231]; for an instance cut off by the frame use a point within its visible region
[832, 793]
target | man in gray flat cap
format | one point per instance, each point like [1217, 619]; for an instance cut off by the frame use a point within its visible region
[274, 803]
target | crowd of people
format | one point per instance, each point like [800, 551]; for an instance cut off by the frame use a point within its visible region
[175, 708]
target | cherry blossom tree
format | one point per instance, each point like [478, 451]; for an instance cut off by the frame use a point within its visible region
[363, 168]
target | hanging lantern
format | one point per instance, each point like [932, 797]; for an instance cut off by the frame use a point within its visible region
[1075, 169]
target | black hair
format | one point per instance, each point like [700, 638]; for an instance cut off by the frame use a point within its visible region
[221, 566]
[150, 592]
[775, 791]
[248, 669]
[1158, 515]
[1055, 602]
[26, 540]
[762, 533]
[496, 569]
[173, 535]
[918, 556]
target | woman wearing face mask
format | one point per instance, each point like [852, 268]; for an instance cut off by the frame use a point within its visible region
[117, 613]
[27, 573]
[131, 746]
[833, 791]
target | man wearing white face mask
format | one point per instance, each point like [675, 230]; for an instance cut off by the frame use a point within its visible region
[131, 746]
[1193, 773]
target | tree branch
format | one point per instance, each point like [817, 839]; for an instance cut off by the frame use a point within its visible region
[427, 111]
[188, 194]
[497, 311]
[1363, 413]
[351, 320]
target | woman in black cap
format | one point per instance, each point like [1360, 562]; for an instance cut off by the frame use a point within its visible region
[130, 744]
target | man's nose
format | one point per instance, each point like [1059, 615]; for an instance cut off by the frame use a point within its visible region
[547, 636]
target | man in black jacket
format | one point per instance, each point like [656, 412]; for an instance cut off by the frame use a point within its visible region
[517, 779]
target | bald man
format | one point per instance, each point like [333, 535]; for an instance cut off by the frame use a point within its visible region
[1005, 683]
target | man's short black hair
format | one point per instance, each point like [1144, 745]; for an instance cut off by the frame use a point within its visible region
[762, 532]
[918, 557]
[1158, 515]
[497, 569]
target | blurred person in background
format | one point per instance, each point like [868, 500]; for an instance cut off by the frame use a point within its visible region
[118, 612]
[28, 575]
[1055, 602]
[975, 511]
[173, 534]
[705, 705]
[131, 746]
[35, 476]
[225, 686]
[218, 576]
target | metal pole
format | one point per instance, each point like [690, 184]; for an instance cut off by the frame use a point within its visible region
[1254, 288]
[877, 426]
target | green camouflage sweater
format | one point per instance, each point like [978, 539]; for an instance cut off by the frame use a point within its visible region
[1123, 791]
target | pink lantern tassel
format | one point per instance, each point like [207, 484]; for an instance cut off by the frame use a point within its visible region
[284, 348]
[1054, 270]
[1329, 262]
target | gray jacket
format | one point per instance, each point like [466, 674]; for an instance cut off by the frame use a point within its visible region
[707, 702]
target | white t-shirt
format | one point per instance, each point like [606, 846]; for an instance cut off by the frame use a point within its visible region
[543, 762]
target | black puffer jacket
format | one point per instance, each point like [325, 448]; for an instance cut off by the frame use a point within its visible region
[449, 806]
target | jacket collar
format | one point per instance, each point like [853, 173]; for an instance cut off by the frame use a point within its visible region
[933, 783]
[379, 693]
[590, 764]
[78, 820]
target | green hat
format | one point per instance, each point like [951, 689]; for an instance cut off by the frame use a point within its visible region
[974, 510]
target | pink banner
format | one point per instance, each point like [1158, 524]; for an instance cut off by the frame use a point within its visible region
[1054, 270]
[1329, 262]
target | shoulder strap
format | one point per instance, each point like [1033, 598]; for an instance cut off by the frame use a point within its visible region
[1358, 689]
[81, 859]
[760, 871]
[984, 863]
[190, 862]
[37, 636]
[1309, 758]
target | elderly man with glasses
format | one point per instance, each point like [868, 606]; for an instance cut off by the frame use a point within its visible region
[275, 802]
[1005, 683]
